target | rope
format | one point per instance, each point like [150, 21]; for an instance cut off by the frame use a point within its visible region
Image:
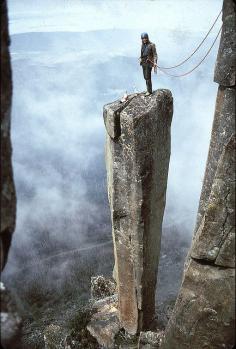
[65, 253]
[178, 65]
[190, 71]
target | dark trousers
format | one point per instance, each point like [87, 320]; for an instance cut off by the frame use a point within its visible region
[147, 69]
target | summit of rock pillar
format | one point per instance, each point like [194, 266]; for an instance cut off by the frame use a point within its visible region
[140, 105]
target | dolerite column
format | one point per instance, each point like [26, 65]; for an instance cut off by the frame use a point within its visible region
[204, 312]
[8, 194]
[137, 161]
[10, 320]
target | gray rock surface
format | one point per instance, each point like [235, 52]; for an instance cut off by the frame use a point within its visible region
[102, 287]
[10, 321]
[150, 340]
[204, 312]
[104, 324]
[215, 238]
[137, 160]
[226, 59]
[55, 337]
[223, 124]
[8, 196]
[222, 130]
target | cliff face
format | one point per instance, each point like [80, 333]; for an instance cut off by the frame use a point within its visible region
[204, 313]
[137, 160]
[224, 123]
[10, 321]
[8, 197]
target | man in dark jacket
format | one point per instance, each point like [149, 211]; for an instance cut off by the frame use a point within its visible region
[148, 60]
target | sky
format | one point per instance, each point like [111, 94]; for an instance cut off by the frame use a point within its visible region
[80, 15]
[69, 58]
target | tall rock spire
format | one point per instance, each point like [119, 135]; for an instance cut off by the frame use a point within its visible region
[137, 161]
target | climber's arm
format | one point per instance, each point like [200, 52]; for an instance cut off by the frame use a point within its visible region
[140, 58]
[155, 56]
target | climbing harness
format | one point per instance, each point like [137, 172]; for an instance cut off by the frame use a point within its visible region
[197, 48]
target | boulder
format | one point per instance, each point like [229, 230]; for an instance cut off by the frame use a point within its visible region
[102, 287]
[104, 324]
[150, 340]
[204, 313]
[11, 323]
[8, 194]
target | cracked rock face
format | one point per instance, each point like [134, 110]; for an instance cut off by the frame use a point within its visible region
[8, 196]
[215, 238]
[222, 130]
[224, 120]
[10, 321]
[104, 324]
[150, 340]
[102, 287]
[226, 58]
[204, 312]
[137, 161]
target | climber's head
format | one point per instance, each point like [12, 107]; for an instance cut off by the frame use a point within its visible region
[144, 37]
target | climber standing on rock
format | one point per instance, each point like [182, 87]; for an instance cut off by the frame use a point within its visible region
[148, 60]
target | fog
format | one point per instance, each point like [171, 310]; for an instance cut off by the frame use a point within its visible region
[69, 58]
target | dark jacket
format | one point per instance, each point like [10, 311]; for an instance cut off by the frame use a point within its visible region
[148, 54]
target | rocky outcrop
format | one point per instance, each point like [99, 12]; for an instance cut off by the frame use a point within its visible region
[10, 320]
[150, 340]
[225, 71]
[204, 313]
[215, 238]
[222, 130]
[102, 287]
[224, 124]
[104, 324]
[56, 337]
[8, 197]
[137, 160]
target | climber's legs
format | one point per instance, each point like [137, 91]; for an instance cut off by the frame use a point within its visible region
[149, 85]
[147, 76]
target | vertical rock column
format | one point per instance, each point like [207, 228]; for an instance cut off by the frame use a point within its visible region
[204, 313]
[137, 161]
[10, 320]
[8, 196]
[223, 125]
